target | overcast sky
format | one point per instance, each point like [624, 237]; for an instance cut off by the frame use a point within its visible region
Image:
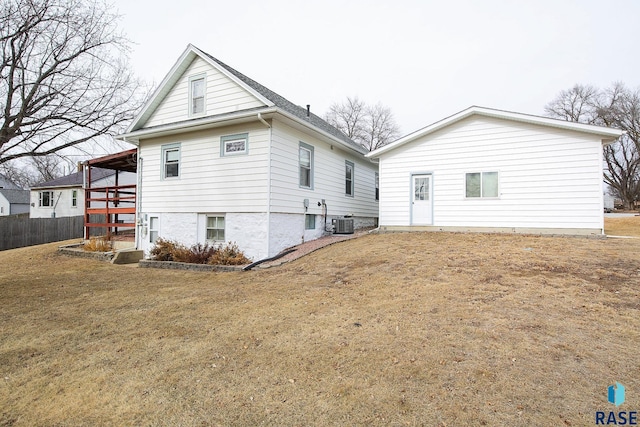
[424, 59]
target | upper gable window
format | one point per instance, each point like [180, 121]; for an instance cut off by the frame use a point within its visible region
[197, 95]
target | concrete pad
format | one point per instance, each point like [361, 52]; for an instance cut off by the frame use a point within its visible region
[127, 257]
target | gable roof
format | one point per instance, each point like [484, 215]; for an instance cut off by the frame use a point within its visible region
[270, 99]
[75, 179]
[7, 183]
[15, 197]
[607, 134]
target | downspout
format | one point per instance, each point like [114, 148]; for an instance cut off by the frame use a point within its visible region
[139, 202]
[264, 122]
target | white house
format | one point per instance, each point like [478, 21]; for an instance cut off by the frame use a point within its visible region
[13, 201]
[65, 196]
[222, 158]
[489, 170]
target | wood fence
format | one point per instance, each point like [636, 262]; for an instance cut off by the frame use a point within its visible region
[17, 231]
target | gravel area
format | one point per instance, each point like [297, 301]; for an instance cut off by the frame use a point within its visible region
[313, 245]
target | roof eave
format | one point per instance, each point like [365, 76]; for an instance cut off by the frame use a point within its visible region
[608, 134]
[193, 125]
[361, 151]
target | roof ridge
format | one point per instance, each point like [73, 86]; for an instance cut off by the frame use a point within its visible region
[283, 103]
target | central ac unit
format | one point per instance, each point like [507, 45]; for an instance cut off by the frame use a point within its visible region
[343, 226]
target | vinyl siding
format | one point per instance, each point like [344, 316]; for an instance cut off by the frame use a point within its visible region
[208, 182]
[328, 177]
[548, 178]
[223, 95]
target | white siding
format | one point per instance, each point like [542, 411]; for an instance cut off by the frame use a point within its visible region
[328, 177]
[223, 95]
[208, 182]
[548, 178]
[5, 206]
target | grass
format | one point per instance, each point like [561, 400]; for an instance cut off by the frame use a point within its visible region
[398, 329]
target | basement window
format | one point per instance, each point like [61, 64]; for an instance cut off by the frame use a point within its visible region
[215, 228]
[309, 222]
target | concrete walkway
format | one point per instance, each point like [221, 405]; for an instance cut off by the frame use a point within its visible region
[308, 247]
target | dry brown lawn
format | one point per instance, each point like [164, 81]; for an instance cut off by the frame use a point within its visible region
[414, 329]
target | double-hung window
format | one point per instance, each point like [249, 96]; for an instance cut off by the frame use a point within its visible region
[305, 165]
[348, 178]
[377, 179]
[45, 199]
[481, 184]
[171, 161]
[232, 145]
[215, 228]
[74, 198]
[197, 95]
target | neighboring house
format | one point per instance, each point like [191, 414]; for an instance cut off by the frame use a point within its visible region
[488, 170]
[13, 201]
[65, 196]
[222, 158]
[7, 183]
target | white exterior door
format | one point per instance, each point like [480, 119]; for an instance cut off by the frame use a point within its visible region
[421, 200]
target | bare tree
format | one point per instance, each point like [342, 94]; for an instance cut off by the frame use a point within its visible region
[370, 126]
[578, 104]
[64, 79]
[617, 107]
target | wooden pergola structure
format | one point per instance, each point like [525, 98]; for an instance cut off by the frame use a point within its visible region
[115, 204]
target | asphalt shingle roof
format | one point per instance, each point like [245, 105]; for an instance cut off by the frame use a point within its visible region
[287, 105]
[19, 197]
[75, 179]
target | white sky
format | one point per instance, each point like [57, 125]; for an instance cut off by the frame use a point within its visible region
[426, 60]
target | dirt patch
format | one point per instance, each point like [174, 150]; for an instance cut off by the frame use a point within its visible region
[395, 329]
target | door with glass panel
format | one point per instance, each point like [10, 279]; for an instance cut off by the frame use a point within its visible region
[421, 199]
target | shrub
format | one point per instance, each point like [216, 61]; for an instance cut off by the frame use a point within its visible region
[98, 244]
[229, 254]
[196, 254]
[170, 250]
[164, 250]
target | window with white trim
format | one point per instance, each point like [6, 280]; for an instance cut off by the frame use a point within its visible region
[74, 198]
[377, 179]
[232, 145]
[45, 199]
[154, 228]
[348, 178]
[197, 95]
[309, 222]
[215, 228]
[171, 161]
[305, 165]
[481, 185]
